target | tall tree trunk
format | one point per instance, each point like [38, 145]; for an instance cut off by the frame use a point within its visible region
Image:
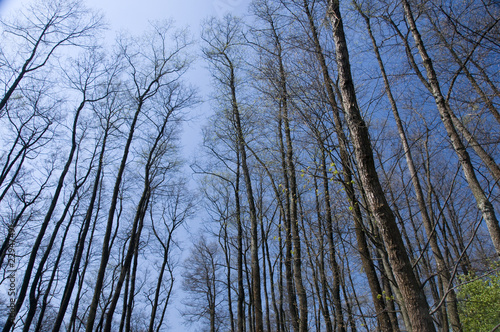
[74, 311]
[368, 266]
[142, 207]
[482, 200]
[264, 257]
[53, 277]
[239, 240]
[109, 224]
[292, 178]
[227, 256]
[443, 269]
[337, 301]
[75, 264]
[125, 303]
[414, 297]
[131, 294]
[320, 262]
[48, 216]
[254, 247]
[33, 294]
[292, 297]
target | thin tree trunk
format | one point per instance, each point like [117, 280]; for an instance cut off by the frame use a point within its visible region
[227, 257]
[138, 223]
[109, 225]
[239, 240]
[131, 295]
[33, 294]
[125, 304]
[392, 284]
[264, 257]
[320, 262]
[166, 251]
[74, 311]
[274, 302]
[292, 297]
[293, 192]
[482, 201]
[337, 301]
[48, 216]
[75, 265]
[53, 277]
[254, 247]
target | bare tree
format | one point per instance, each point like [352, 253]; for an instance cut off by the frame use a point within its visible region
[203, 280]
[46, 26]
[222, 42]
[151, 66]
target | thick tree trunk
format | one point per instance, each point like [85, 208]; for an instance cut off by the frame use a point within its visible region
[368, 266]
[443, 269]
[414, 297]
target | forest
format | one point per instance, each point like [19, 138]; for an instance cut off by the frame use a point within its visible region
[347, 178]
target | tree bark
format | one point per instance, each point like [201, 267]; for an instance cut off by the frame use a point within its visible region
[414, 297]
[368, 266]
[443, 269]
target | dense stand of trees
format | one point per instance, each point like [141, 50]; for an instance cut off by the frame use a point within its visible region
[348, 176]
[92, 188]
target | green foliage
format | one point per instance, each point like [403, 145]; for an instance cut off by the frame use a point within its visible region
[479, 302]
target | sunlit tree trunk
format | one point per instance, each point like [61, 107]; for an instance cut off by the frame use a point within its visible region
[443, 269]
[415, 300]
[382, 316]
